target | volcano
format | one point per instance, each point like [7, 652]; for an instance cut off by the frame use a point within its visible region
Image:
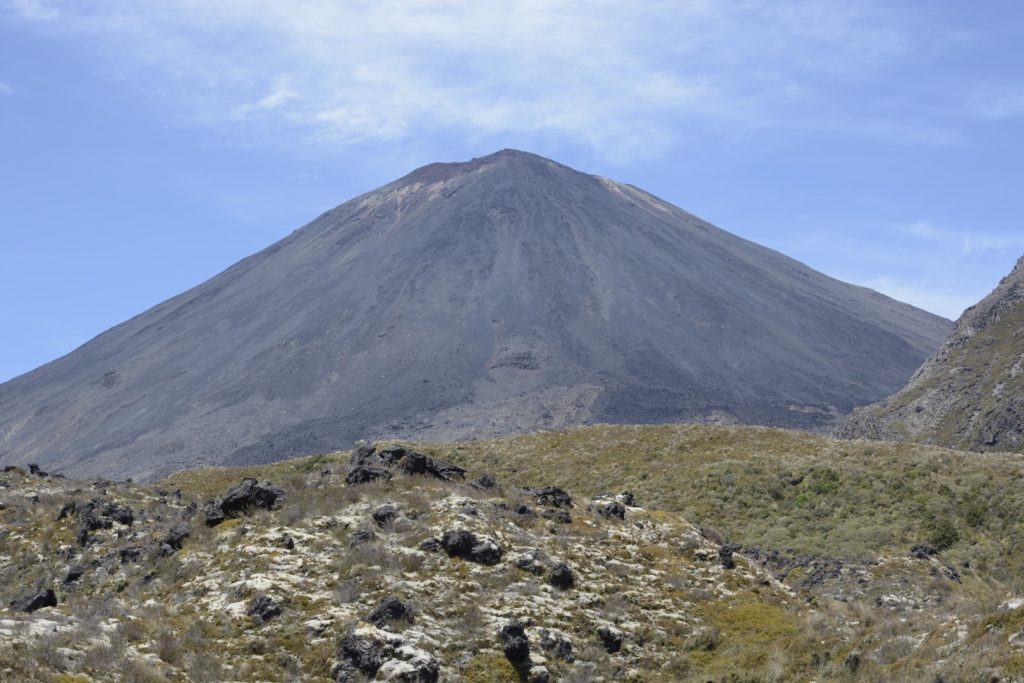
[500, 295]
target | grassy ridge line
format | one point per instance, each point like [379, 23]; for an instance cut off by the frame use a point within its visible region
[784, 489]
[759, 486]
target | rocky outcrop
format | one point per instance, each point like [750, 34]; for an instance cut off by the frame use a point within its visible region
[562, 577]
[390, 610]
[372, 652]
[514, 642]
[611, 638]
[369, 465]
[364, 475]
[384, 515]
[242, 499]
[175, 538]
[465, 544]
[970, 394]
[551, 496]
[35, 601]
[263, 608]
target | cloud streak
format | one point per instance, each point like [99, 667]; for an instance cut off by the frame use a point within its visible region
[925, 293]
[1002, 102]
[968, 241]
[614, 76]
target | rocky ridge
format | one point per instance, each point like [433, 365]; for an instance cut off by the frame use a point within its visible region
[970, 394]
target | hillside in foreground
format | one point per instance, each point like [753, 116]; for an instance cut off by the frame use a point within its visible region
[603, 553]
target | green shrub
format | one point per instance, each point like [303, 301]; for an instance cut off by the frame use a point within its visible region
[942, 534]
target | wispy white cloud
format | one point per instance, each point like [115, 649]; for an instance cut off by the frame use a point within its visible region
[968, 241]
[925, 293]
[36, 10]
[998, 102]
[613, 75]
[5, 89]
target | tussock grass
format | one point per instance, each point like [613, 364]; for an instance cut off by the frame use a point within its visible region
[783, 489]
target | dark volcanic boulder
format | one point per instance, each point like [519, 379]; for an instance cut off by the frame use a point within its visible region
[364, 455]
[514, 642]
[213, 514]
[538, 674]
[609, 508]
[132, 553]
[122, 514]
[485, 552]
[390, 610]
[725, 554]
[263, 608]
[365, 653]
[430, 545]
[562, 577]
[75, 572]
[458, 542]
[425, 669]
[922, 551]
[552, 496]
[38, 600]
[357, 654]
[392, 454]
[242, 499]
[100, 514]
[67, 510]
[175, 538]
[364, 475]
[611, 638]
[92, 519]
[384, 515]
[250, 494]
[465, 544]
[484, 482]
[529, 564]
[557, 516]
[558, 645]
[35, 470]
[413, 462]
[361, 536]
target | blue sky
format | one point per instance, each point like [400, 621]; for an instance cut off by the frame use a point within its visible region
[145, 145]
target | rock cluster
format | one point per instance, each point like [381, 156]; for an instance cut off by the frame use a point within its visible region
[370, 465]
[242, 499]
[466, 545]
[370, 651]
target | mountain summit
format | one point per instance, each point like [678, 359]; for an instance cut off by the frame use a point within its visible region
[503, 294]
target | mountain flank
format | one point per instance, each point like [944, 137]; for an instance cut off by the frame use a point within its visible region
[970, 394]
[500, 295]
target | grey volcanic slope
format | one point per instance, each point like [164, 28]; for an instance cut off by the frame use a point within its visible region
[505, 294]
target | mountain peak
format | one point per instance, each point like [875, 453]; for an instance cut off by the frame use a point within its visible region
[505, 160]
[503, 294]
